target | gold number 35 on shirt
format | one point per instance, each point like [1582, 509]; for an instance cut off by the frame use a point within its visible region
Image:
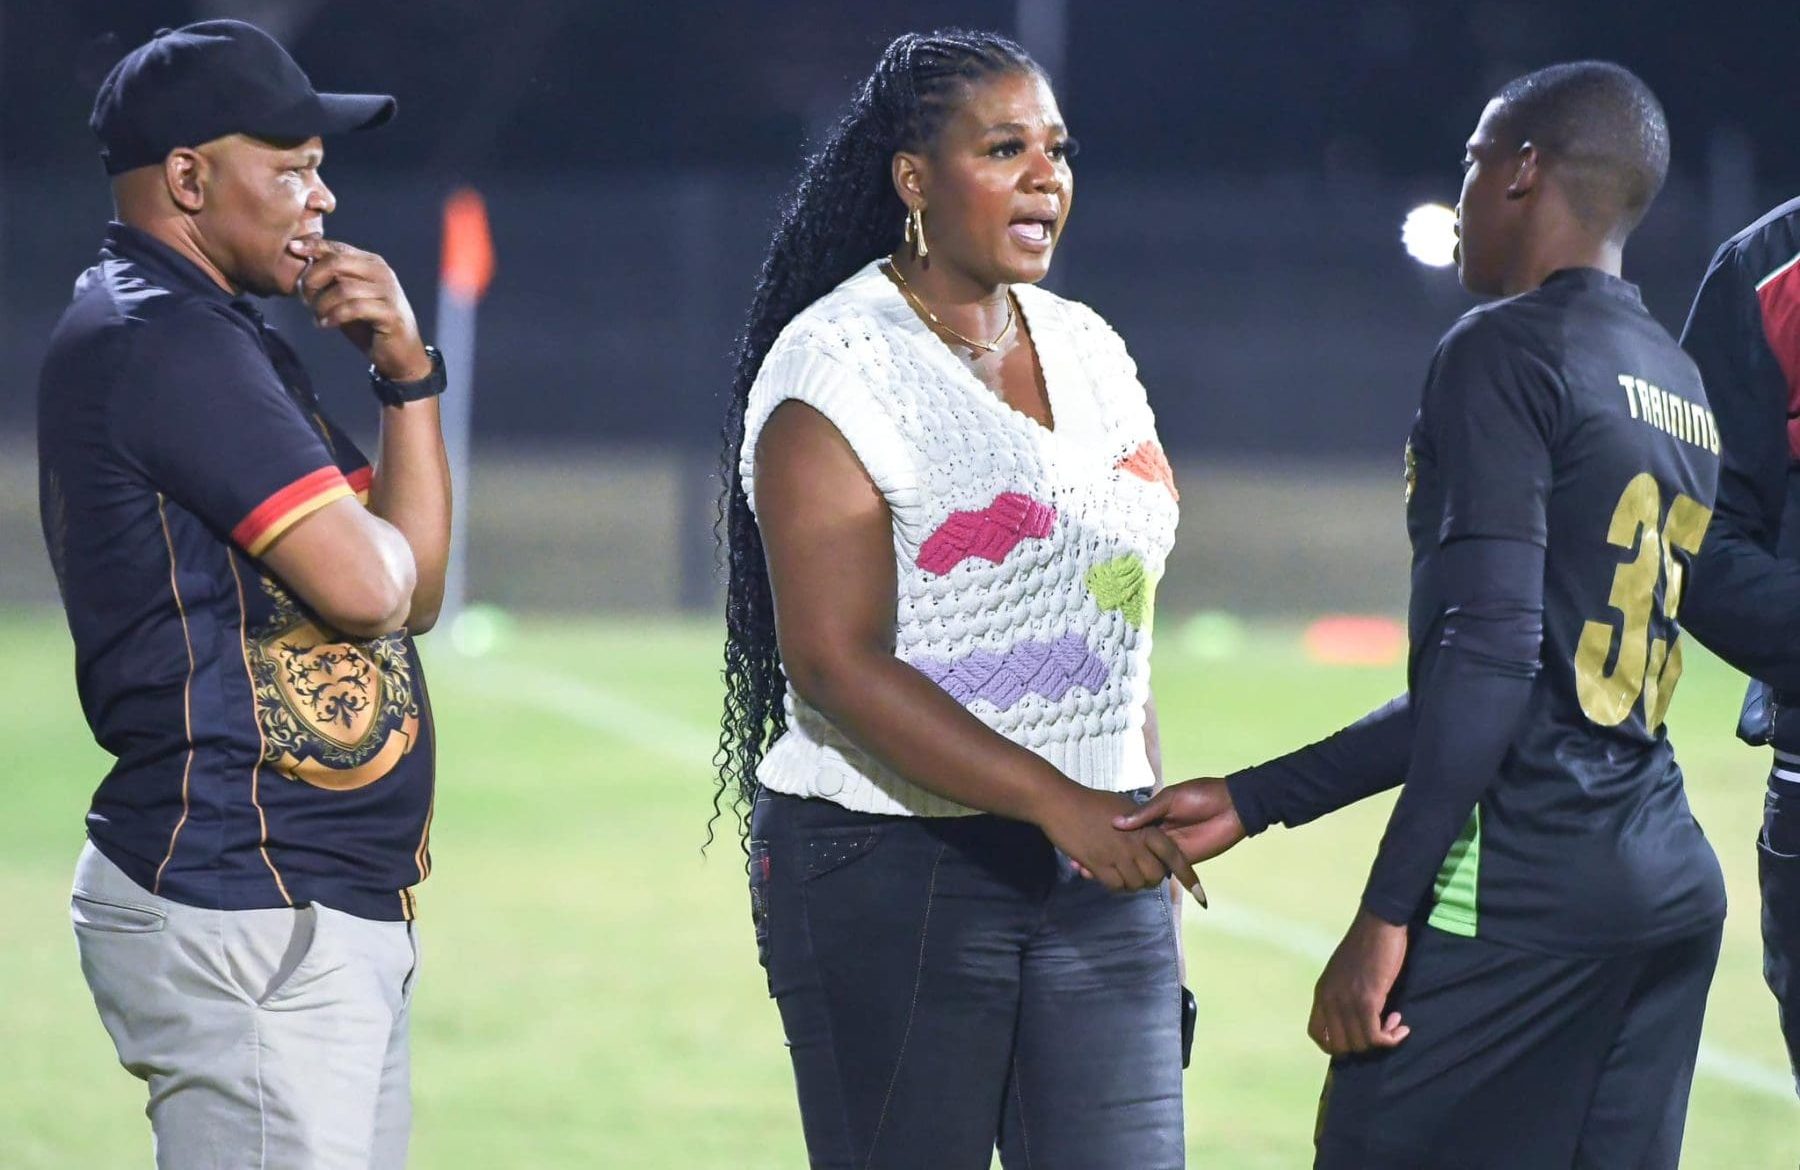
[1645, 666]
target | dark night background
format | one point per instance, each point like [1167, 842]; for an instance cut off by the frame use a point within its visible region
[579, 87]
[1244, 171]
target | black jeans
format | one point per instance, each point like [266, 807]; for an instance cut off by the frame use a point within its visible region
[1778, 869]
[947, 984]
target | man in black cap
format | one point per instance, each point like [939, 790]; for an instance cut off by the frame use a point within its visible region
[242, 587]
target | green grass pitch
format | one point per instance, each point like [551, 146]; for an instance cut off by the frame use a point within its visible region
[590, 996]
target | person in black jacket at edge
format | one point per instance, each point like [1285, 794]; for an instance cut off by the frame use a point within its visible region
[1743, 601]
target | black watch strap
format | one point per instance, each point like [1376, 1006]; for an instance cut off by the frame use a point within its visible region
[394, 393]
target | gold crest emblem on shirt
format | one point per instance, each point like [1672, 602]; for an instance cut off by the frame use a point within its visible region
[335, 714]
[1412, 471]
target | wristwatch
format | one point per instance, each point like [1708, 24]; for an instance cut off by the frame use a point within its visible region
[394, 393]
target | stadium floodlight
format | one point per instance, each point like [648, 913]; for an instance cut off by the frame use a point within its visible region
[1429, 234]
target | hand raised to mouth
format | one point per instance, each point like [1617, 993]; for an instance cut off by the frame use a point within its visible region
[357, 293]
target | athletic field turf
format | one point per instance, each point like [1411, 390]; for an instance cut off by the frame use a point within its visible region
[590, 995]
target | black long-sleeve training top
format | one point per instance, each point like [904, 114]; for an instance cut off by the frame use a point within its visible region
[1561, 474]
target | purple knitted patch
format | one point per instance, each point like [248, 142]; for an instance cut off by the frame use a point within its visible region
[1050, 669]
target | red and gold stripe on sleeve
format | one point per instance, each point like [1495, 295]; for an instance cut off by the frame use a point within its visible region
[359, 481]
[287, 507]
[1779, 295]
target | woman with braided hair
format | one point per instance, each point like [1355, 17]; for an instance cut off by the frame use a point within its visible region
[946, 511]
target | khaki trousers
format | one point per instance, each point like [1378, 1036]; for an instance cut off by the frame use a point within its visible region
[269, 1039]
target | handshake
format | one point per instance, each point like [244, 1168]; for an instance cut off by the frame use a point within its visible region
[1183, 824]
[1195, 821]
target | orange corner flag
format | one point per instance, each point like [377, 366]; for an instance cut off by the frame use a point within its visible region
[468, 248]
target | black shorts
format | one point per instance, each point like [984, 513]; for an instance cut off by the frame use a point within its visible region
[1525, 1061]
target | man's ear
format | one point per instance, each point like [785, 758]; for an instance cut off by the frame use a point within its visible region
[1525, 177]
[185, 172]
[909, 178]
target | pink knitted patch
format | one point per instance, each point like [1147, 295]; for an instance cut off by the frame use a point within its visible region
[1149, 463]
[990, 534]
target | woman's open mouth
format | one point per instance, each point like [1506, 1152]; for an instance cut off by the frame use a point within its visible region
[1032, 233]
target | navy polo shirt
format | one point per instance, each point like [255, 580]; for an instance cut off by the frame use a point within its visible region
[262, 758]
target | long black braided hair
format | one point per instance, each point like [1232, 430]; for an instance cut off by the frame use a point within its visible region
[842, 213]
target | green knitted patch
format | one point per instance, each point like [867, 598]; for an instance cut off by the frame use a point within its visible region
[1122, 584]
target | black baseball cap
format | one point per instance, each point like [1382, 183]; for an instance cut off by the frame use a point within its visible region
[205, 80]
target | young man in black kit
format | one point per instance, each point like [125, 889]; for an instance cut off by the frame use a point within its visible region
[1524, 983]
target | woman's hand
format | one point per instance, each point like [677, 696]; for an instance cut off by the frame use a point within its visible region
[1079, 821]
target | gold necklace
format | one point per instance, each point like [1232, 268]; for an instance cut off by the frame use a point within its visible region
[924, 310]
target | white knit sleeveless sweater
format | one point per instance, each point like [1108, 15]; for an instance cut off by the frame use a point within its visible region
[1027, 559]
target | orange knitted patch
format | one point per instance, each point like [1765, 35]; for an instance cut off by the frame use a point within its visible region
[1150, 464]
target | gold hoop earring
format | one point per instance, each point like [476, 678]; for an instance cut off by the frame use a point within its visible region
[915, 233]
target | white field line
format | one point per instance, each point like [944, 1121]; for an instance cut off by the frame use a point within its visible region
[648, 729]
[596, 708]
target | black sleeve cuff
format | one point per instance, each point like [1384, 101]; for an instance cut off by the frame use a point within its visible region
[1249, 790]
[1388, 911]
